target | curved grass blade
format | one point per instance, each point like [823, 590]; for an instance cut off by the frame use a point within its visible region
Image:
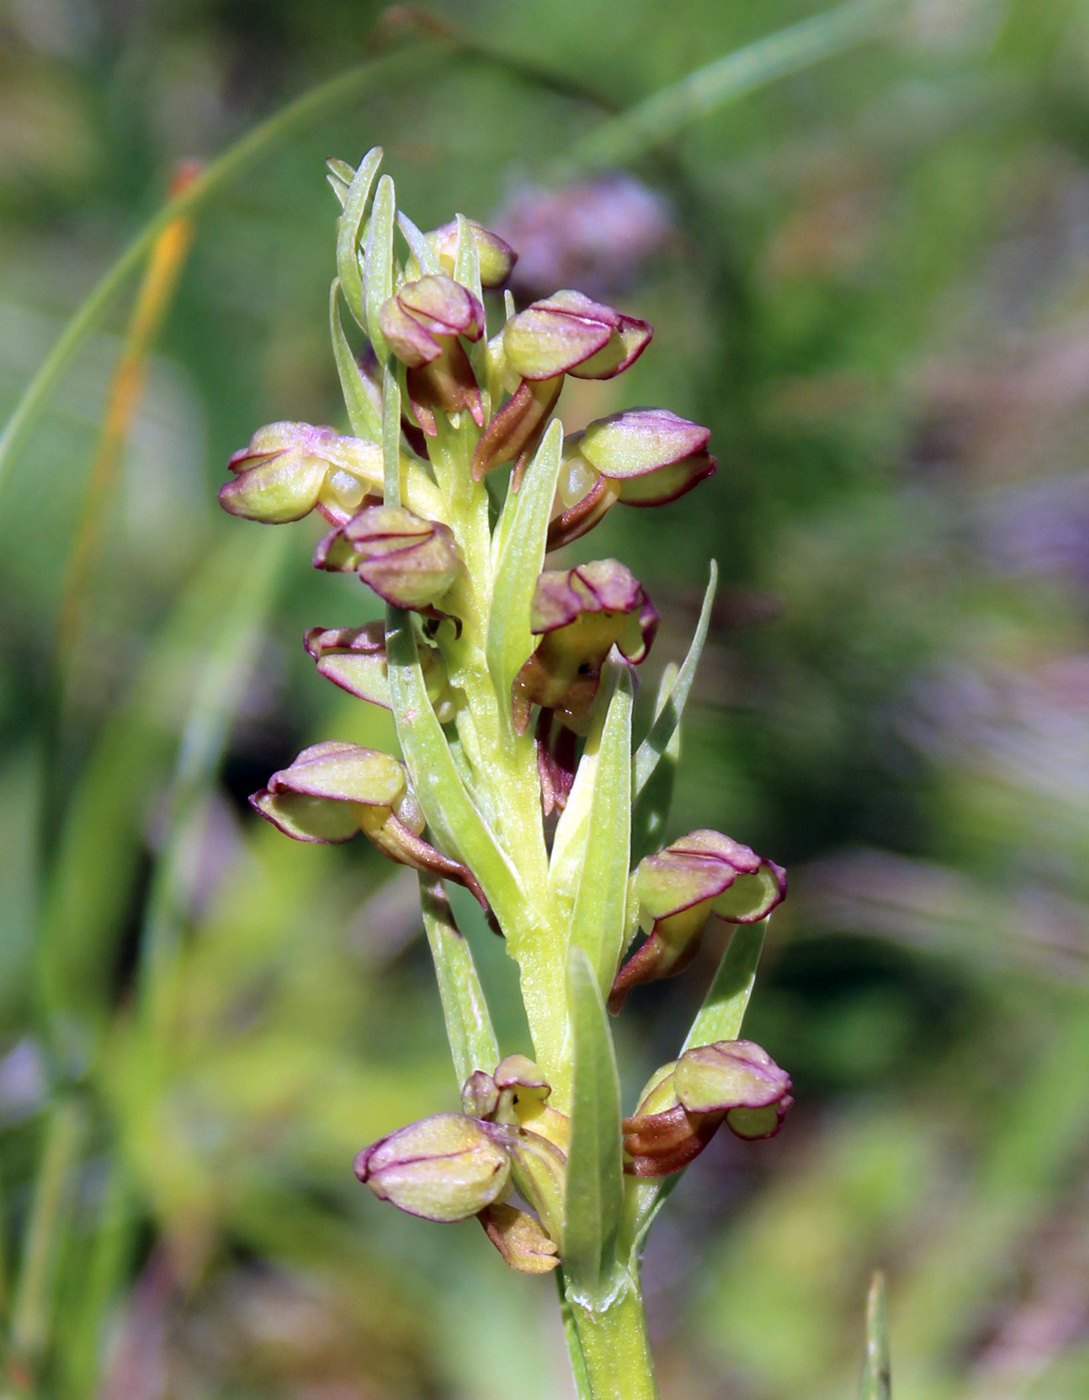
[468, 1024]
[520, 561]
[341, 91]
[599, 917]
[153, 300]
[594, 1171]
[876, 1379]
[650, 751]
[662, 115]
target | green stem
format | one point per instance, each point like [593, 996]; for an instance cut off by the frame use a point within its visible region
[607, 1340]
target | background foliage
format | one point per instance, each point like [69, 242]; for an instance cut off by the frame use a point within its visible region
[871, 279]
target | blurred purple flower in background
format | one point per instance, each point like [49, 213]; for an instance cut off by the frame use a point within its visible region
[594, 235]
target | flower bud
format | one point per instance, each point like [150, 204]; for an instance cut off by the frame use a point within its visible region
[568, 333]
[685, 1103]
[417, 319]
[642, 457]
[496, 257]
[580, 614]
[702, 873]
[333, 791]
[288, 469]
[421, 323]
[355, 659]
[443, 1168]
[321, 796]
[520, 1239]
[408, 561]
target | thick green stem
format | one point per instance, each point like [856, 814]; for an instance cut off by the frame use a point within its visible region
[612, 1356]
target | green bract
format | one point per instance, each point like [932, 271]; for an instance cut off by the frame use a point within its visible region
[511, 687]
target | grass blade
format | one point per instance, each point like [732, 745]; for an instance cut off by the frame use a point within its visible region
[876, 1381]
[662, 115]
[341, 91]
[153, 300]
[594, 1172]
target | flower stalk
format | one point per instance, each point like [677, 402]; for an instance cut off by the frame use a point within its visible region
[511, 684]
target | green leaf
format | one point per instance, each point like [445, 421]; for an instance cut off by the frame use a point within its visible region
[724, 1006]
[876, 1383]
[652, 812]
[599, 918]
[379, 263]
[656, 744]
[349, 227]
[455, 821]
[519, 564]
[594, 1169]
[468, 1025]
[362, 413]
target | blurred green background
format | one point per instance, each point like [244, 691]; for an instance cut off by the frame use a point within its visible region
[871, 279]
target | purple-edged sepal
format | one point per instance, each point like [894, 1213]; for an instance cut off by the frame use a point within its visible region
[685, 1104]
[495, 256]
[408, 561]
[641, 457]
[333, 791]
[355, 659]
[580, 614]
[290, 469]
[679, 888]
[421, 324]
[445, 1168]
[454, 1165]
[568, 333]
